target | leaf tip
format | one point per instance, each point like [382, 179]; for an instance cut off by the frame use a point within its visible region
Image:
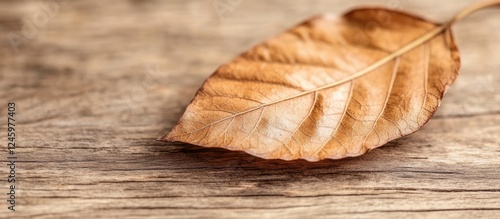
[166, 137]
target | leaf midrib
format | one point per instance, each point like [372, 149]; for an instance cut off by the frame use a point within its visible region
[411, 45]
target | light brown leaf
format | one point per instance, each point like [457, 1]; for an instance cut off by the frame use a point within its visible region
[330, 87]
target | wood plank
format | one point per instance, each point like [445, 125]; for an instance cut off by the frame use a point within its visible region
[103, 79]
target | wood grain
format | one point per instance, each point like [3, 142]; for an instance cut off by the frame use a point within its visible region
[103, 79]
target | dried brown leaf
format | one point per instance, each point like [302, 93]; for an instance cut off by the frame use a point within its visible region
[330, 87]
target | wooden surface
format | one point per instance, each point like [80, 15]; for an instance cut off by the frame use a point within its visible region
[102, 80]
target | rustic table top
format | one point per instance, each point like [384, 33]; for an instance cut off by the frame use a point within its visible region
[96, 82]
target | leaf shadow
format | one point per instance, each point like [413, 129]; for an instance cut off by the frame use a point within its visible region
[236, 166]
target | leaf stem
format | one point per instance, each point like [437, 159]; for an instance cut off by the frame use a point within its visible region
[471, 9]
[429, 35]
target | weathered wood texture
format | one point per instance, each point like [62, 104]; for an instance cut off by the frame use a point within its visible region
[102, 80]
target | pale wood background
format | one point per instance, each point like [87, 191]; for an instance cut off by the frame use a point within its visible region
[103, 79]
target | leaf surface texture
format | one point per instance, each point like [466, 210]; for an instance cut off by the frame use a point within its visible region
[303, 94]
